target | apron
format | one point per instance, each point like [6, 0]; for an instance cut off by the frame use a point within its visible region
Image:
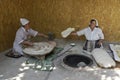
[91, 44]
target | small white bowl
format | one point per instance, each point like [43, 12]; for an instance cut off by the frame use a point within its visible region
[72, 44]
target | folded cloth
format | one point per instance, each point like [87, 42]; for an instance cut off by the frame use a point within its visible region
[12, 55]
[67, 32]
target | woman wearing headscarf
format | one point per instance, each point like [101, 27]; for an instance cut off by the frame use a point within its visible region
[21, 38]
[94, 36]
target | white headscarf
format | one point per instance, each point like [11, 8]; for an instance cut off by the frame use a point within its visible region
[24, 21]
[96, 21]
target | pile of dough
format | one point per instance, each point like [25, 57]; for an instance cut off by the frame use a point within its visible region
[67, 32]
[39, 48]
[102, 58]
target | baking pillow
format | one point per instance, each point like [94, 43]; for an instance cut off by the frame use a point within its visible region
[102, 58]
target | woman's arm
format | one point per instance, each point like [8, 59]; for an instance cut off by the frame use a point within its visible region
[42, 35]
[79, 33]
[27, 43]
[101, 35]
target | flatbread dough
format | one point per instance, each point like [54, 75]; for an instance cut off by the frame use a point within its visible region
[102, 58]
[67, 32]
[39, 48]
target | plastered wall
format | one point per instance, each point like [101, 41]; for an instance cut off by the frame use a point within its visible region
[56, 15]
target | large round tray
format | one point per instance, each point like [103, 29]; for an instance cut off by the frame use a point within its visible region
[40, 48]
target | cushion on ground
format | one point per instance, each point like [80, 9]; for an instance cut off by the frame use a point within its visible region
[116, 51]
[102, 58]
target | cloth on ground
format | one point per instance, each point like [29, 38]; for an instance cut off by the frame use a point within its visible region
[44, 65]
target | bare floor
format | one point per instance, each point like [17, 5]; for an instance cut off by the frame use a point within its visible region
[15, 69]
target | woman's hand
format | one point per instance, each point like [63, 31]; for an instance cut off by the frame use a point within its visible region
[27, 43]
[100, 42]
[30, 43]
[74, 33]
